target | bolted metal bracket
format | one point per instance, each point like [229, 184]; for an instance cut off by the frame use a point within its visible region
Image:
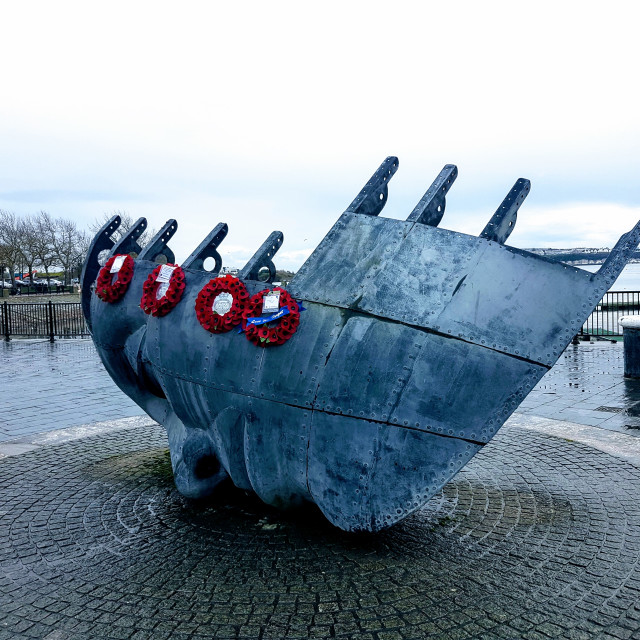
[263, 257]
[503, 221]
[208, 248]
[158, 245]
[101, 242]
[374, 194]
[129, 241]
[430, 209]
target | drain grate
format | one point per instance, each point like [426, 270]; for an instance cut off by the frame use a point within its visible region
[610, 409]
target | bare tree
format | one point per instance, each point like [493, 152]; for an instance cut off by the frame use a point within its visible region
[4, 261]
[83, 240]
[28, 244]
[43, 241]
[10, 242]
[70, 246]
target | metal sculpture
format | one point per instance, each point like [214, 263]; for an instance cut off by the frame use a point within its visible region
[417, 343]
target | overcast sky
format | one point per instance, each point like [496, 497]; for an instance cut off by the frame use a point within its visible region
[273, 115]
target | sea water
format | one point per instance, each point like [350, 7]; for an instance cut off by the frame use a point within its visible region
[628, 280]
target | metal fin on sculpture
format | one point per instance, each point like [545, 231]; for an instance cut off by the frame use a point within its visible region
[101, 242]
[374, 194]
[503, 221]
[158, 244]
[208, 248]
[129, 241]
[619, 256]
[430, 209]
[263, 257]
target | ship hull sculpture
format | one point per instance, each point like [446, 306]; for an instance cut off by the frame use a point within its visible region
[414, 346]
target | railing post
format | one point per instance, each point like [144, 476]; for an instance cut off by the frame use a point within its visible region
[5, 317]
[50, 308]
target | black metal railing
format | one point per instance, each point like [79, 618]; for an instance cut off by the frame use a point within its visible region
[45, 320]
[40, 289]
[615, 304]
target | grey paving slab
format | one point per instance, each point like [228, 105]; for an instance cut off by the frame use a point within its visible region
[53, 386]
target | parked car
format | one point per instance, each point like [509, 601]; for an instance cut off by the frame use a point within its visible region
[21, 283]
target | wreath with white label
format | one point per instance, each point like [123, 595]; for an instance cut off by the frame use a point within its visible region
[162, 290]
[220, 304]
[110, 288]
[273, 329]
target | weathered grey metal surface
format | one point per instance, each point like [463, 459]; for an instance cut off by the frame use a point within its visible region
[158, 244]
[128, 243]
[208, 248]
[373, 196]
[503, 221]
[263, 258]
[431, 207]
[416, 345]
[101, 242]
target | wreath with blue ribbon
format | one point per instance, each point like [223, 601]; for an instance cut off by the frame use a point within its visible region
[274, 329]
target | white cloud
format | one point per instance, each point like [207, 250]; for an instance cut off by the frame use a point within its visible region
[589, 224]
[273, 115]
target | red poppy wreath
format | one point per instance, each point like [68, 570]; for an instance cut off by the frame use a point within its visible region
[275, 329]
[110, 288]
[162, 290]
[220, 304]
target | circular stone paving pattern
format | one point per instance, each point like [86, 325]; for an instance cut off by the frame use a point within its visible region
[538, 537]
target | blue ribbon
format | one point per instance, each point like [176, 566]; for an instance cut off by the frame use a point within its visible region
[263, 320]
[274, 316]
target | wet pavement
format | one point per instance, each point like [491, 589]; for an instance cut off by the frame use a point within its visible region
[47, 386]
[537, 537]
[587, 386]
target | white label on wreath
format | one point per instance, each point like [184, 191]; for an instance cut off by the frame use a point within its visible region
[117, 264]
[162, 290]
[222, 303]
[271, 302]
[165, 273]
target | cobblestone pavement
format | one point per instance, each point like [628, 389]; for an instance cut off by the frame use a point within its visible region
[49, 386]
[538, 537]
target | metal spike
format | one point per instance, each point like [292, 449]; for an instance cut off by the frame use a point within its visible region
[158, 245]
[208, 249]
[374, 194]
[129, 241]
[430, 209]
[263, 257]
[101, 242]
[503, 221]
